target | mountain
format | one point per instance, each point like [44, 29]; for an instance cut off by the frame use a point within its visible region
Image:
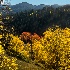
[21, 7]
[55, 6]
[26, 6]
[39, 7]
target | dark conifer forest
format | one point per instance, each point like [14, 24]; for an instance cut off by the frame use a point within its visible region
[39, 20]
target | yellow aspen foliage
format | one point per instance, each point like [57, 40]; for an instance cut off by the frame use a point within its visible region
[1, 50]
[8, 64]
[53, 48]
[5, 62]
[18, 46]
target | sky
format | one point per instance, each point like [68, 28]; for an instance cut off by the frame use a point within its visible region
[38, 2]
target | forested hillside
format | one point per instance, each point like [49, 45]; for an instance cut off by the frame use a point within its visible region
[38, 21]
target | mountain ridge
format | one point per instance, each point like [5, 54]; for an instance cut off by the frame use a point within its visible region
[26, 6]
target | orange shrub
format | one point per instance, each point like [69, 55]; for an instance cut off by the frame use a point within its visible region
[27, 36]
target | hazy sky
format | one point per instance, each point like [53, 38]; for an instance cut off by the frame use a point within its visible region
[38, 2]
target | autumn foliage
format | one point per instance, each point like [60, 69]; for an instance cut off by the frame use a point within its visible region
[52, 50]
[27, 36]
[36, 36]
[5, 62]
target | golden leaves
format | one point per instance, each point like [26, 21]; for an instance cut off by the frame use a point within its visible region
[55, 42]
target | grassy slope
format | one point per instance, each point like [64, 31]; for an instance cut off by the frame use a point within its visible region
[27, 66]
[22, 65]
